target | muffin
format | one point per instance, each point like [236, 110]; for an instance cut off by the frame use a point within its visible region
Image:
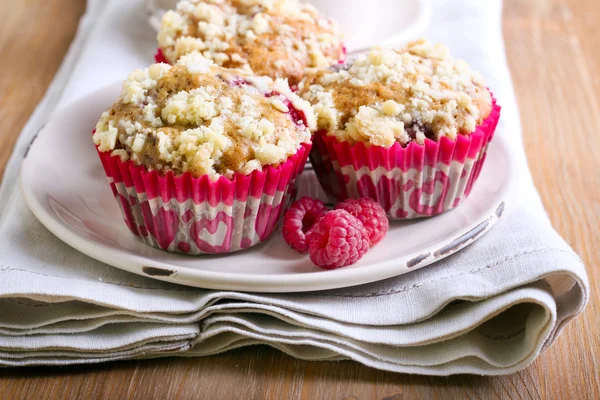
[408, 128]
[275, 38]
[203, 159]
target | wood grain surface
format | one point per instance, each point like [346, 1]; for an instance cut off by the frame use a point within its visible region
[553, 54]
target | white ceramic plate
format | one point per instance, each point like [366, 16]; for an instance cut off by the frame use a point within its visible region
[370, 23]
[363, 23]
[65, 187]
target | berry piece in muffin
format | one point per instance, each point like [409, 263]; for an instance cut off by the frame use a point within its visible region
[199, 117]
[388, 96]
[275, 38]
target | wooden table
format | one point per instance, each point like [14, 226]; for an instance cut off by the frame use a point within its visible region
[553, 53]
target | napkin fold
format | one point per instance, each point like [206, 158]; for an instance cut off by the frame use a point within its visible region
[490, 309]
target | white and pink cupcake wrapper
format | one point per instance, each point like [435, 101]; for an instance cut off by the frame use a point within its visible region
[200, 216]
[409, 182]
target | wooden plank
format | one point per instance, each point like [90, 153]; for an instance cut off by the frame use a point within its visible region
[34, 36]
[552, 52]
[552, 57]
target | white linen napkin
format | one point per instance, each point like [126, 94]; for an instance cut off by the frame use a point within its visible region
[490, 309]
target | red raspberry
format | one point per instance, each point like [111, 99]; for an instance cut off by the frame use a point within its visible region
[299, 219]
[371, 214]
[338, 239]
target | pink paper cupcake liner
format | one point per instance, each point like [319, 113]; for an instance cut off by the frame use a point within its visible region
[194, 216]
[409, 182]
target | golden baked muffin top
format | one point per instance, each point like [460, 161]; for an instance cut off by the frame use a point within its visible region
[199, 117]
[388, 96]
[276, 38]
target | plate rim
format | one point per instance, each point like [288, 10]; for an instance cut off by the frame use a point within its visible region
[271, 283]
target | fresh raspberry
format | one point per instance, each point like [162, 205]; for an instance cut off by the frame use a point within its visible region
[338, 239]
[371, 214]
[299, 219]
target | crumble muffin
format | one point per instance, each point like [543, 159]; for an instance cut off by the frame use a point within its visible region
[199, 117]
[388, 96]
[408, 128]
[275, 38]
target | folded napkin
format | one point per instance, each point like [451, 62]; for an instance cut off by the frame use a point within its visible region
[490, 309]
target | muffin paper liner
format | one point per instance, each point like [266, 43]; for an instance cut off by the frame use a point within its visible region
[191, 215]
[409, 182]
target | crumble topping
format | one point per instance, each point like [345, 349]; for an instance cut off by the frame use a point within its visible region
[199, 117]
[388, 96]
[276, 38]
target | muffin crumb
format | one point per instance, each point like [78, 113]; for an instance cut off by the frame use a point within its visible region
[276, 38]
[388, 96]
[199, 117]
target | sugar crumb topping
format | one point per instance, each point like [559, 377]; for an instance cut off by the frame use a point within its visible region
[277, 38]
[388, 96]
[199, 117]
